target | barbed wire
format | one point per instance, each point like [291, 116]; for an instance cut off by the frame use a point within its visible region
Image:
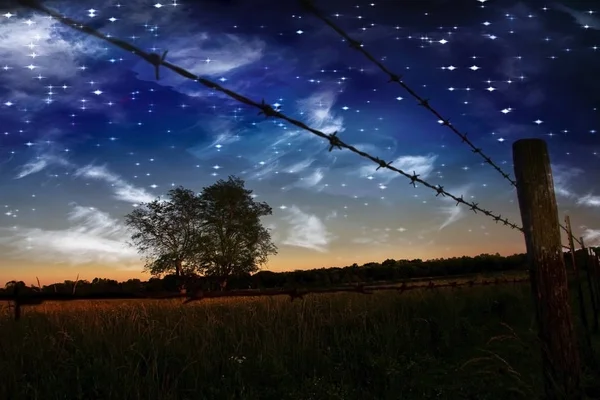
[396, 78]
[35, 298]
[267, 110]
[570, 234]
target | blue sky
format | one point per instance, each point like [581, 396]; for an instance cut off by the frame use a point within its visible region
[88, 133]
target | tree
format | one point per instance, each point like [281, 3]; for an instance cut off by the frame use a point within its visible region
[11, 285]
[235, 240]
[216, 233]
[169, 232]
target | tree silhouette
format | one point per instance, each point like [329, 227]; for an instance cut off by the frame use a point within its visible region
[168, 232]
[235, 240]
[371, 273]
[217, 233]
[11, 285]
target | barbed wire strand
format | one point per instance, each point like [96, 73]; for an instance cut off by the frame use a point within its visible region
[396, 78]
[18, 300]
[267, 110]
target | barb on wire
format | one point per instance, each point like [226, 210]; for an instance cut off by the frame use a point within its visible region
[265, 109]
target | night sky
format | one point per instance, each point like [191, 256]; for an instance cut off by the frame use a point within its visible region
[87, 132]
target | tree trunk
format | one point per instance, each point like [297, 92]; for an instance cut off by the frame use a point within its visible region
[178, 267]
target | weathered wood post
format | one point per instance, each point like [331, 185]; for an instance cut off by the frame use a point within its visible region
[539, 213]
[17, 301]
[592, 283]
[580, 299]
[594, 270]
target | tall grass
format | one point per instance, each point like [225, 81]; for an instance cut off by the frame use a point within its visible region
[418, 345]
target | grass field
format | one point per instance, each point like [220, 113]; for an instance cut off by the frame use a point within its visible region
[471, 343]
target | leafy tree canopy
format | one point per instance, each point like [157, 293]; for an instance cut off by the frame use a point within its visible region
[217, 232]
[236, 241]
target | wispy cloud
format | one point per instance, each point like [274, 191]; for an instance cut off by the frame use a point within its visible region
[563, 179]
[122, 189]
[592, 237]
[421, 165]
[40, 163]
[317, 112]
[312, 180]
[278, 152]
[583, 18]
[306, 230]
[453, 212]
[212, 55]
[589, 200]
[300, 166]
[275, 149]
[563, 186]
[94, 237]
[215, 54]
[42, 46]
[223, 133]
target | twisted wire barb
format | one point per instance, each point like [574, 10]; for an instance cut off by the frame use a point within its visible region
[395, 78]
[267, 110]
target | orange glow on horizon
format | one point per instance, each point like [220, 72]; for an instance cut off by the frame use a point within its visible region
[54, 273]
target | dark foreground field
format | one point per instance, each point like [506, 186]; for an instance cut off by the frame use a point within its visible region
[471, 343]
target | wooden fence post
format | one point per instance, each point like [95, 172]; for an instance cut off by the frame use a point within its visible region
[539, 214]
[594, 271]
[17, 302]
[592, 283]
[580, 299]
[595, 266]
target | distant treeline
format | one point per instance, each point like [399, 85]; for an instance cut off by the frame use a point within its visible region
[389, 270]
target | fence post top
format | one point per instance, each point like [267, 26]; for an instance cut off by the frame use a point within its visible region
[540, 143]
[532, 139]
